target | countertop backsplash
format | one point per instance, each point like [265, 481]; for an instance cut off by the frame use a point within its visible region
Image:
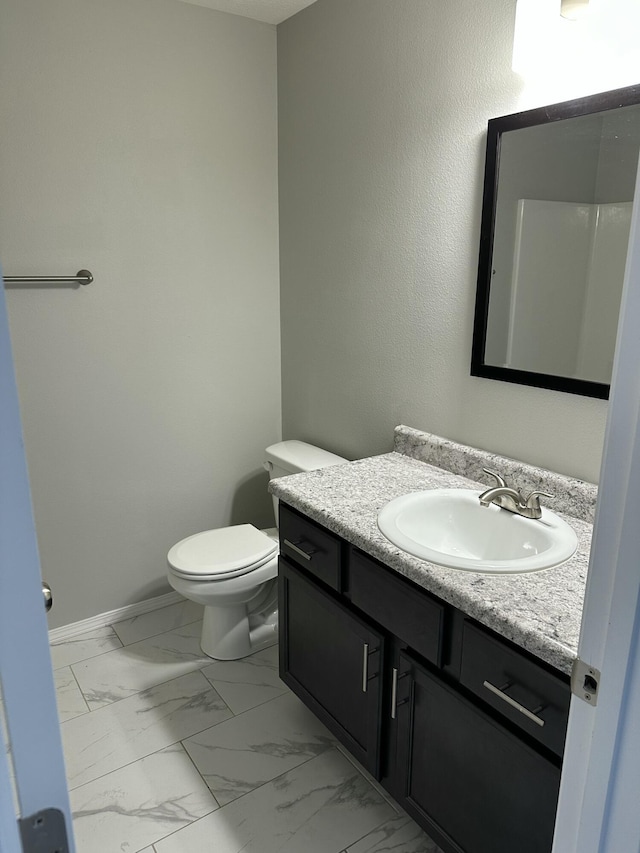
[573, 497]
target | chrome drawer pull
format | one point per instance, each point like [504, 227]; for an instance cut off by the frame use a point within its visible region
[306, 555]
[365, 666]
[499, 693]
[395, 677]
[394, 692]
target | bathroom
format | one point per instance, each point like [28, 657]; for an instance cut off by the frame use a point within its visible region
[260, 207]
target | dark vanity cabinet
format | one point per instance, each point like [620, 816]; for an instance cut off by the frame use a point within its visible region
[464, 729]
[332, 660]
[468, 778]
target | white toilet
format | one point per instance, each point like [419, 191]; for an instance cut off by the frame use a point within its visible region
[233, 570]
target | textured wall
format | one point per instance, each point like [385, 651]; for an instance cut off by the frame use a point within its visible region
[139, 140]
[382, 116]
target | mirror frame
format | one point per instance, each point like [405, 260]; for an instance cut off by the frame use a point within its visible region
[601, 102]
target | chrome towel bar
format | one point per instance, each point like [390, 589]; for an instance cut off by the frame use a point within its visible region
[81, 277]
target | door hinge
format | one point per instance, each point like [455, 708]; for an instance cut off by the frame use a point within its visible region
[44, 832]
[585, 681]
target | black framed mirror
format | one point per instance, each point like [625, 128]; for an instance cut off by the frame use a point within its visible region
[558, 192]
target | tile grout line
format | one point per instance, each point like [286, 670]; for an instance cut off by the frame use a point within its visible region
[258, 705]
[257, 788]
[168, 681]
[150, 636]
[179, 740]
[88, 711]
[370, 832]
[175, 678]
[154, 751]
[91, 657]
[188, 754]
[198, 668]
[372, 780]
[270, 782]
[130, 764]
[118, 648]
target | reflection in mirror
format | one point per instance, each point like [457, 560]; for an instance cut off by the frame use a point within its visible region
[559, 187]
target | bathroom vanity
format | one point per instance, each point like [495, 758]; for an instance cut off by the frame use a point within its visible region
[451, 689]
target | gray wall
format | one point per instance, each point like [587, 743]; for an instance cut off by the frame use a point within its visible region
[139, 140]
[382, 116]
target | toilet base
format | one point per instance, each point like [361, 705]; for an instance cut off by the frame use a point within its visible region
[231, 633]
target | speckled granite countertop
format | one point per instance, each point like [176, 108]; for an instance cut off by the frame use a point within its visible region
[539, 611]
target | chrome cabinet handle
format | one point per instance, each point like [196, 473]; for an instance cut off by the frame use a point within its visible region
[395, 677]
[366, 652]
[506, 698]
[365, 666]
[306, 555]
[394, 692]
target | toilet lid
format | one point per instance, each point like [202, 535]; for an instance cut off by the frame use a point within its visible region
[225, 552]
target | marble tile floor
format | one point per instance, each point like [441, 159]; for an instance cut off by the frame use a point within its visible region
[168, 751]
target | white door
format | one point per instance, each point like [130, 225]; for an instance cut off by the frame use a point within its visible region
[599, 808]
[26, 677]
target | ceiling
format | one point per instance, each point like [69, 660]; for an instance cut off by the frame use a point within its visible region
[269, 11]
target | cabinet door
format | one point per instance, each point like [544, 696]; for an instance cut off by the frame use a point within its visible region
[479, 786]
[333, 661]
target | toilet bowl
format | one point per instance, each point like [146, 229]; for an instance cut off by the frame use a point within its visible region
[232, 571]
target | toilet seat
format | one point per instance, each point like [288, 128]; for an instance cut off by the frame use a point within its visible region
[226, 552]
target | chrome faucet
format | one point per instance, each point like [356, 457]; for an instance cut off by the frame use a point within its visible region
[512, 500]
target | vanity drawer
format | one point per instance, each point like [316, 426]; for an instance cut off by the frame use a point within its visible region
[398, 605]
[521, 690]
[308, 545]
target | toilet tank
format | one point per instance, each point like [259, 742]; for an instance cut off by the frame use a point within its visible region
[294, 457]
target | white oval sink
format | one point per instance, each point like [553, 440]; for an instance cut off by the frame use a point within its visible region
[449, 527]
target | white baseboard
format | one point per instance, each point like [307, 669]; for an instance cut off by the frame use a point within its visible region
[128, 612]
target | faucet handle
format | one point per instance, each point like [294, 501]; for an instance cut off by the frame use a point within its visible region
[533, 499]
[499, 480]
